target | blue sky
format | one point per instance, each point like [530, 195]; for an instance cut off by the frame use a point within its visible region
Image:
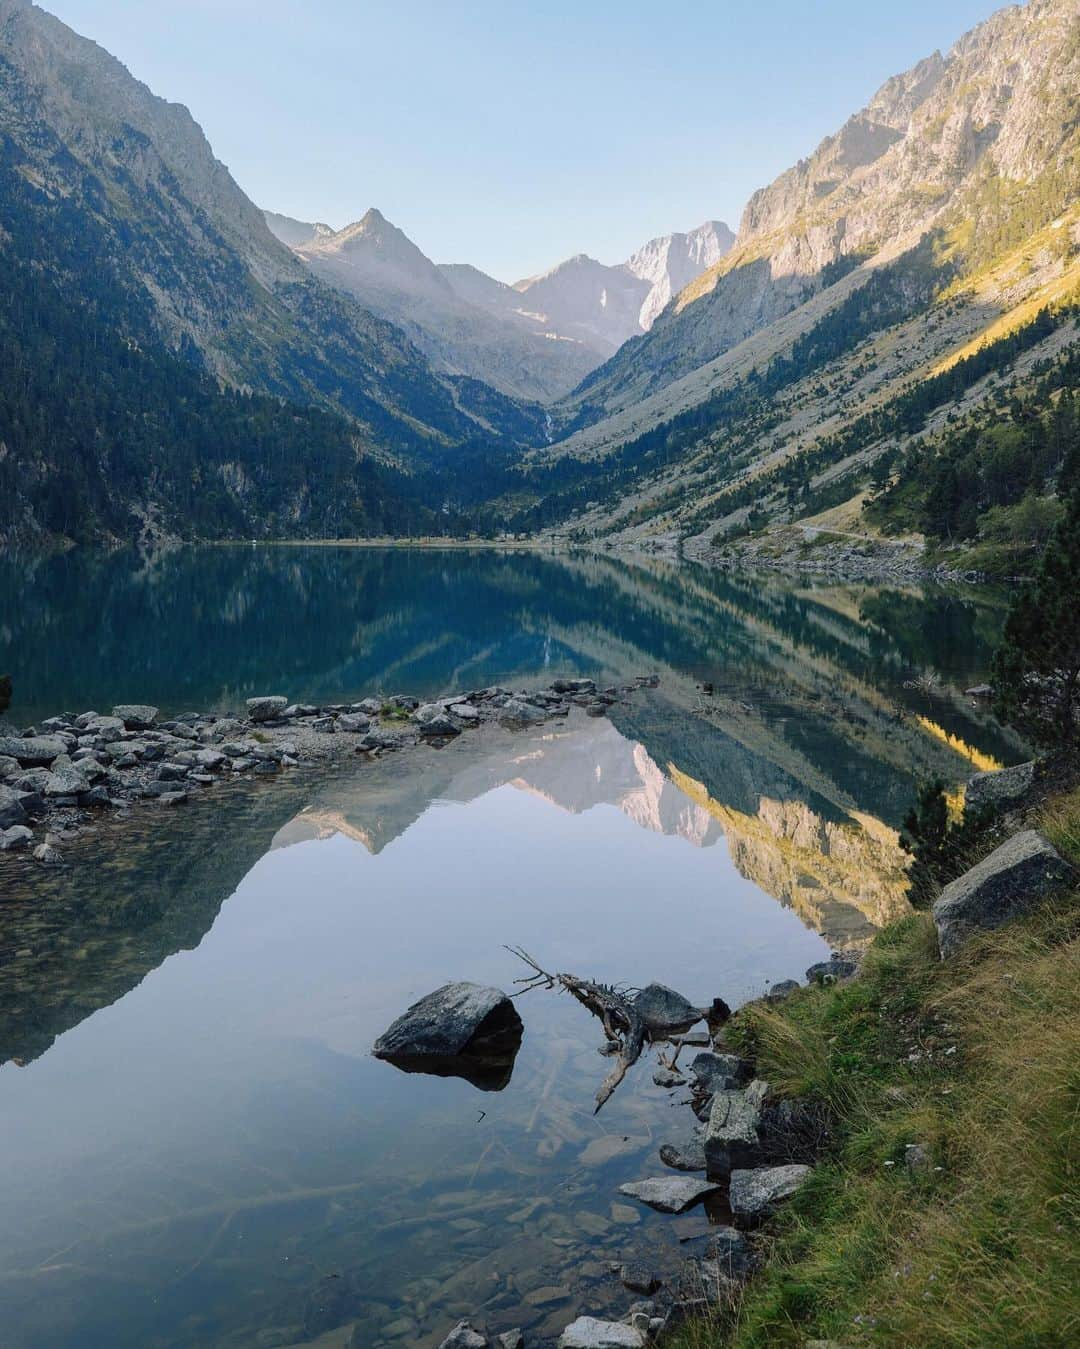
[512, 135]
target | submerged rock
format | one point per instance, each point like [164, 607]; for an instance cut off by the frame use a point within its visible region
[1011, 881]
[463, 1336]
[664, 1011]
[754, 1194]
[687, 1156]
[669, 1194]
[461, 1030]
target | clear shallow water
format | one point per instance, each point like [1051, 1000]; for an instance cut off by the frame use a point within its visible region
[198, 1149]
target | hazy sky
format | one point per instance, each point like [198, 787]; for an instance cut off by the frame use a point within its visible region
[512, 134]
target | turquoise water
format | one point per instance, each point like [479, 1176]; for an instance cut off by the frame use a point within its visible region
[198, 1148]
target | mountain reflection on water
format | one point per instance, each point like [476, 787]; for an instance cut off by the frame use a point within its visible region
[200, 1149]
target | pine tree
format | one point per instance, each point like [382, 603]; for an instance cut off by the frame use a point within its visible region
[1037, 668]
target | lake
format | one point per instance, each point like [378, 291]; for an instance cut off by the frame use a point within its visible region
[198, 1148]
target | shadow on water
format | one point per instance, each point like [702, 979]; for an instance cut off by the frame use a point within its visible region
[201, 1150]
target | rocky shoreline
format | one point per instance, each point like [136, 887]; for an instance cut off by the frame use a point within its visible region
[57, 778]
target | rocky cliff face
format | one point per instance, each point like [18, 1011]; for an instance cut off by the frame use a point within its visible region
[100, 155]
[537, 339]
[969, 141]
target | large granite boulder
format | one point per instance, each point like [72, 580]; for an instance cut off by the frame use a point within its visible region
[664, 1011]
[461, 1030]
[1011, 881]
[732, 1137]
[267, 708]
[32, 751]
[1000, 788]
[589, 1333]
[755, 1194]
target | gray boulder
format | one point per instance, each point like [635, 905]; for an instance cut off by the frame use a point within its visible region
[589, 1333]
[15, 838]
[461, 1030]
[267, 708]
[732, 1137]
[669, 1194]
[32, 751]
[12, 811]
[1000, 788]
[434, 720]
[782, 990]
[831, 970]
[1010, 882]
[755, 1194]
[664, 1011]
[510, 1339]
[136, 716]
[719, 1072]
[353, 721]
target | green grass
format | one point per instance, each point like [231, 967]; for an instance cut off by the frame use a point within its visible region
[978, 1060]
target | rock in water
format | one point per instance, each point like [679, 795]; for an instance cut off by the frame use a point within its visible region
[731, 1136]
[754, 1194]
[461, 1030]
[719, 1072]
[266, 709]
[589, 1333]
[1011, 881]
[464, 1337]
[668, 1194]
[11, 807]
[664, 1011]
[688, 1156]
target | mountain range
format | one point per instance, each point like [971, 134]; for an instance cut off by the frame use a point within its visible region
[536, 339]
[176, 362]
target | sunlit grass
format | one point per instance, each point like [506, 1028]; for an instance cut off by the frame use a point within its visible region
[976, 1059]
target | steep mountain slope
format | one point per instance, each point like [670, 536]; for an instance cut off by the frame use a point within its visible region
[379, 266]
[192, 252]
[925, 257]
[536, 339]
[982, 140]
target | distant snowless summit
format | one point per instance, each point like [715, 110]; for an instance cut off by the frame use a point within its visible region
[535, 339]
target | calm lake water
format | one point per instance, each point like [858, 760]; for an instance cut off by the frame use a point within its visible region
[197, 1148]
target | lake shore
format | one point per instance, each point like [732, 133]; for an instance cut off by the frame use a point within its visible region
[59, 777]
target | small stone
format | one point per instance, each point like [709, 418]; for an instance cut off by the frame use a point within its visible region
[831, 971]
[547, 1296]
[668, 1194]
[46, 853]
[136, 716]
[510, 1339]
[664, 1077]
[353, 722]
[782, 990]
[916, 1157]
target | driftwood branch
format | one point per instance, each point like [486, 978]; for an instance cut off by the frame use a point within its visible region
[614, 1007]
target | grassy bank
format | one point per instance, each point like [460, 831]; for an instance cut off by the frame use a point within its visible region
[978, 1061]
